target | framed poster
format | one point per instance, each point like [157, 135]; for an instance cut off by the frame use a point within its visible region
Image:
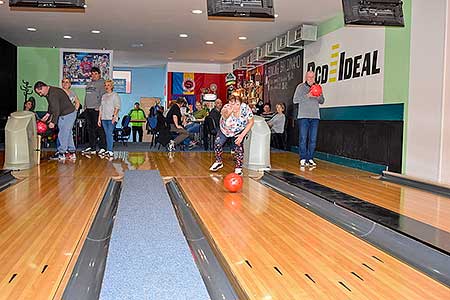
[76, 64]
[122, 82]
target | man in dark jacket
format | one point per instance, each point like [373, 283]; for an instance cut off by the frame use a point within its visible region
[94, 92]
[62, 112]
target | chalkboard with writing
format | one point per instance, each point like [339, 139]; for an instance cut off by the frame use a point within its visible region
[281, 78]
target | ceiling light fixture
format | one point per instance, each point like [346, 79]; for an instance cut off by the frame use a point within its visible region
[209, 42]
[169, 58]
[183, 35]
[242, 37]
[32, 29]
[2, 2]
[67, 37]
[85, 6]
[197, 11]
[137, 45]
[95, 31]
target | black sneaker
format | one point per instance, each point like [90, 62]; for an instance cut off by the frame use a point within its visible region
[58, 156]
[89, 150]
[171, 146]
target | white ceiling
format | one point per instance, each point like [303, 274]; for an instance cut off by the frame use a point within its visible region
[157, 24]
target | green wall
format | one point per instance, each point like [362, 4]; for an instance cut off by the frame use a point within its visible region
[34, 64]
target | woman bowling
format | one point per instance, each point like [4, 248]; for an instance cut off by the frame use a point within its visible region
[235, 122]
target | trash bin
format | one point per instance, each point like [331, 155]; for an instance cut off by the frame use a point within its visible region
[257, 146]
[20, 141]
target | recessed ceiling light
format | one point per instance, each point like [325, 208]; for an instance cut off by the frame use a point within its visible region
[242, 37]
[67, 37]
[212, 59]
[275, 15]
[170, 58]
[95, 31]
[137, 45]
[32, 29]
[2, 2]
[183, 35]
[221, 53]
[197, 11]
[209, 42]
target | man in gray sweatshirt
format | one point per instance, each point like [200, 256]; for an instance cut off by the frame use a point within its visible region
[94, 92]
[307, 119]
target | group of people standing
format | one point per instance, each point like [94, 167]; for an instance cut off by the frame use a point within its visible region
[102, 106]
[233, 121]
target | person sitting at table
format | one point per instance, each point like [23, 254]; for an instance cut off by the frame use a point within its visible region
[267, 113]
[277, 125]
[174, 120]
[199, 116]
[137, 118]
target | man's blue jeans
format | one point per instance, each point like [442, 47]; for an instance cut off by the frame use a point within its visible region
[307, 131]
[65, 135]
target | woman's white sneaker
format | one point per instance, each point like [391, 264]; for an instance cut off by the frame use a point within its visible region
[216, 166]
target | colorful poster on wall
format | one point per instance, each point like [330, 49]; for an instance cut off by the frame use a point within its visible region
[349, 64]
[76, 64]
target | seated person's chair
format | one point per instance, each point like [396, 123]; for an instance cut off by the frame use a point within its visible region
[162, 135]
[123, 134]
[210, 129]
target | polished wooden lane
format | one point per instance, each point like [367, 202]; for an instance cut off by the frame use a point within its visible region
[423, 206]
[43, 220]
[275, 249]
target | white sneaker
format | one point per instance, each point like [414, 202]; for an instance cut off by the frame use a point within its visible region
[109, 153]
[216, 166]
[302, 162]
[101, 151]
[88, 150]
[238, 171]
[312, 163]
[171, 146]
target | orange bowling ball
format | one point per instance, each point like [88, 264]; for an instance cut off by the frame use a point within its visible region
[315, 90]
[233, 182]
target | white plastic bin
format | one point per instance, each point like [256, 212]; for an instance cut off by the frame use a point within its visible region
[20, 141]
[257, 146]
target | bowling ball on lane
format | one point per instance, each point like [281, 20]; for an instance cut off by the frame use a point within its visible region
[233, 182]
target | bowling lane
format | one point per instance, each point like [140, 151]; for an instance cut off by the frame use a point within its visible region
[42, 224]
[278, 250]
[423, 206]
